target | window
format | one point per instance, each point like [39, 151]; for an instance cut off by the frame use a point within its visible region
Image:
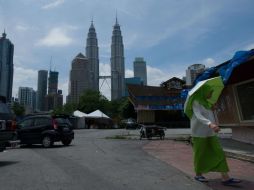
[42, 121]
[60, 120]
[4, 108]
[26, 123]
[245, 94]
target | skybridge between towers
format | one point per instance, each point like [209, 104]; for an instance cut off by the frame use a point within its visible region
[104, 80]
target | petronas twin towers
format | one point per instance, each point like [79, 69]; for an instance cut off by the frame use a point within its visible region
[117, 63]
[84, 74]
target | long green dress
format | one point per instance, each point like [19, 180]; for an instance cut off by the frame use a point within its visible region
[208, 154]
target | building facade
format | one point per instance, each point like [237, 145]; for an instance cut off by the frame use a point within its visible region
[26, 98]
[53, 101]
[41, 89]
[192, 72]
[140, 71]
[173, 83]
[158, 105]
[6, 67]
[117, 63]
[92, 54]
[53, 82]
[79, 78]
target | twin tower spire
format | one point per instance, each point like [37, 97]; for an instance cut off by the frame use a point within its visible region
[116, 61]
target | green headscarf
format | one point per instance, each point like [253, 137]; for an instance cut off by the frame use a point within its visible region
[201, 96]
[201, 92]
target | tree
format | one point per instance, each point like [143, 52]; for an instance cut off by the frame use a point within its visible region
[67, 109]
[93, 100]
[126, 109]
[18, 109]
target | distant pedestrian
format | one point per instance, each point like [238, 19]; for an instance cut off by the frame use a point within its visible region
[208, 153]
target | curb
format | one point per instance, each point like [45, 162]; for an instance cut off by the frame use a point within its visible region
[239, 156]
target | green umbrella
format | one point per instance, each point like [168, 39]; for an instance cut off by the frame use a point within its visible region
[200, 90]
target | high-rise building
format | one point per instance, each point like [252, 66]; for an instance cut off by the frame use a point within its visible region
[53, 99]
[6, 67]
[140, 69]
[53, 82]
[192, 72]
[41, 89]
[117, 64]
[79, 78]
[92, 54]
[26, 98]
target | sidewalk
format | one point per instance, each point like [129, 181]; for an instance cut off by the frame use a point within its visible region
[179, 155]
[176, 151]
[238, 150]
[232, 148]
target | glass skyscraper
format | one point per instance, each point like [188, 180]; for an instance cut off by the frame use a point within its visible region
[41, 89]
[140, 69]
[6, 67]
[92, 54]
[79, 78]
[117, 64]
[53, 82]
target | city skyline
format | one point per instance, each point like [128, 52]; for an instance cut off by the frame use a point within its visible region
[169, 35]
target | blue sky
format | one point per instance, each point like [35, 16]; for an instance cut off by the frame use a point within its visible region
[169, 34]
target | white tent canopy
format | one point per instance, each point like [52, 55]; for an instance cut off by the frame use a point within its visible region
[97, 114]
[78, 113]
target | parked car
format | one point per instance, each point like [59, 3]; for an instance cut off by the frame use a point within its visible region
[129, 123]
[45, 130]
[8, 136]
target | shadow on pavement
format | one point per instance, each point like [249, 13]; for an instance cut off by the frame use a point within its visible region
[6, 163]
[38, 146]
[216, 185]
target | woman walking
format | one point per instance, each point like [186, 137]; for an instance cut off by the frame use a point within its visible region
[208, 153]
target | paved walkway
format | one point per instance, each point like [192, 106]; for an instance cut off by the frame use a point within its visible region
[232, 148]
[179, 155]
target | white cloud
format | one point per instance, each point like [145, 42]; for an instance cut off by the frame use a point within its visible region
[249, 47]
[63, 85]
[21, 27]
[105, 69]
[24, 78]
[129, 73]
[209, 62]
[56, 37]
[53, 4]
[156, 76]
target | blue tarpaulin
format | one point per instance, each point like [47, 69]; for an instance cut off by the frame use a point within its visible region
[205, 75]
[239, 58]
[226, 70]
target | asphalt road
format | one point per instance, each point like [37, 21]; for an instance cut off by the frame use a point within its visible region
[92, 162]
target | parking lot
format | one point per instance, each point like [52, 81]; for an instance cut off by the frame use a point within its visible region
[93, 162]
